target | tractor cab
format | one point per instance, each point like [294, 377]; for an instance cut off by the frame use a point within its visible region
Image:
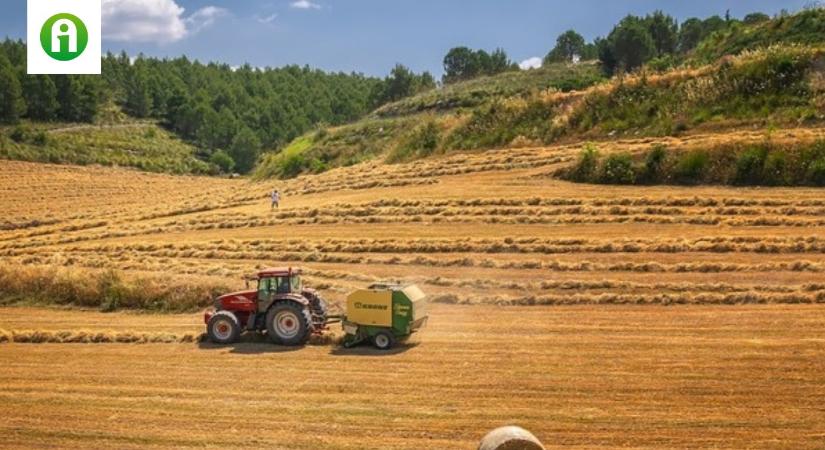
[276, 282]
[279, 284]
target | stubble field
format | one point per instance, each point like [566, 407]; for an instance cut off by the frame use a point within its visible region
[598, 317]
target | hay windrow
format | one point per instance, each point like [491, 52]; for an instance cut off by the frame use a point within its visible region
[136, 337]
[97, 337]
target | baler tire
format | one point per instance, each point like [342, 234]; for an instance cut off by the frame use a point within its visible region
[288, 311]
[223, 328]
[383, 340]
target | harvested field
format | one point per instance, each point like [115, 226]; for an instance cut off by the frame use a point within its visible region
[578, 377]
[543, 288]
[462, 221]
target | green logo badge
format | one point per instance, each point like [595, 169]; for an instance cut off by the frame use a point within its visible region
[64, 37]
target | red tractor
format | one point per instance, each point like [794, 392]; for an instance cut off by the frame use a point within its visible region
[281, 306]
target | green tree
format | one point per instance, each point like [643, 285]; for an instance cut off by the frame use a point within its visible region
[756, 17]
[665, 32]
[607, 59]
[629, 46]
[460, 63]
[205, 123]
[690, 34]
[694, 30]
[79, 97]
[245, 149]
[569, 45]
[498, 62]
[12, 105]
[89, 97]
[41, 97]
[590, 52]
[224, 162]
[138, 98]
[713, 24]
[401, 82]
[426, 82]
[215, 130]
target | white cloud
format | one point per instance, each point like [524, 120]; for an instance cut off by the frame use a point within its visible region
[304, 4]
[203, 18]
[268, 19]
[159, 21]
[530, 63]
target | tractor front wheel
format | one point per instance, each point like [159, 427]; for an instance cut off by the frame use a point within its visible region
[288, 324]
[383, 340]
[223, 328]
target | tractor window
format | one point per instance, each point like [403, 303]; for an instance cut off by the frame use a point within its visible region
[264, 285]
[282, 285]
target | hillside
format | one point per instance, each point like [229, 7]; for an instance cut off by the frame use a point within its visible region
[479, 91]
[412, 127]
[229, 114]
[143, 145]
[777, 86]
[806, 27]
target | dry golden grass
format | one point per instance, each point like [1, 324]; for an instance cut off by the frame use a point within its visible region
[478, 229]
[474, 214]
[578, 377]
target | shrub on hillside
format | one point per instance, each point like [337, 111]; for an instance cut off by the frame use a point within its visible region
[618, 169]
[775, 171]
[292, 165]
[750, 166]
[654, 162]
[691, 167]
[585, 168]
[767, 164]
[20, 134]
[816, 172]
[222, 159]
[40, 138]
[421, 142]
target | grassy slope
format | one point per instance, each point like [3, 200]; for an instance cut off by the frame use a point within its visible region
[781, 86]
[396, 127]
[479, 91]
[143, 145]
[806, 27]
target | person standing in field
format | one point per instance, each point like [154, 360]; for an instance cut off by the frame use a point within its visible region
[276, 199]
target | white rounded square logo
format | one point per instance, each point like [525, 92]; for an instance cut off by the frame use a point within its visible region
[63, 37]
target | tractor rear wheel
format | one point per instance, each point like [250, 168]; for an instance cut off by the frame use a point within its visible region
[288, 323]
[383, 340]
[223, 328]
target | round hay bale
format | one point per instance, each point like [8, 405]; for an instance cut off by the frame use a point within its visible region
[510, 438]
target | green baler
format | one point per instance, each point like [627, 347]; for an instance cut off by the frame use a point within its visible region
[384, 314]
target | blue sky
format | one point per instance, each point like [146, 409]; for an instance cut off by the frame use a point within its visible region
[367, 36]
